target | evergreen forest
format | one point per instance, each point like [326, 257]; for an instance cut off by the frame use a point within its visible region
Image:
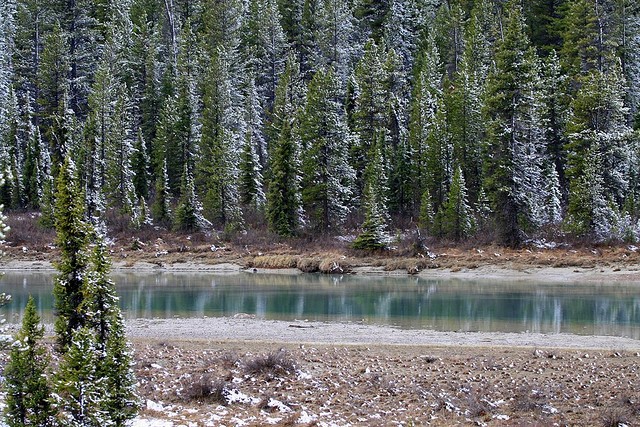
[502, 118]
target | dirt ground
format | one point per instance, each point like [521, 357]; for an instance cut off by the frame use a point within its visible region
[196, 383]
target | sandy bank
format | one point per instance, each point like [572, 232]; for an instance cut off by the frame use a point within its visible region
[499, 273]
[318, 333]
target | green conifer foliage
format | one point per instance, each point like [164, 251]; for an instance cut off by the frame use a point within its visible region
[80, 390]
[28, 393]
[283, 194]
[122, 402]
[161, 208]
[100, 303]
[374, 228]
[508, 106]
[72, 238]
[114, 360]
[457, 218]
[188, 215]
[326, 175]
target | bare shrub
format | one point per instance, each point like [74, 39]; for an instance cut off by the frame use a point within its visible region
[526, 400]
[26, 231]
[274, 363]
[205, 388]
[615, 417]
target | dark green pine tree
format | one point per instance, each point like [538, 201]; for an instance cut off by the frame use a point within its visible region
[283, 197]
[369, 117]
[217, 169]
[188, 215]
[327, 177]
[161, 209]
[53, 83]
[140, 165]
[506, 108]
[114, 362]
[80, 392]
[283, 192]
[72, 238]
[122, 402]
[100, 303]
[457, 216]
[374, 228]
[28, 393]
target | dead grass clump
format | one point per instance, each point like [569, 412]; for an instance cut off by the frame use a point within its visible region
[205, 388]
[274, 363]
[333, 266]
[274, 261]
[526, 400]
[308, 265]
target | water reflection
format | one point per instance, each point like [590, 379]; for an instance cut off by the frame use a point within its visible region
[447, 305]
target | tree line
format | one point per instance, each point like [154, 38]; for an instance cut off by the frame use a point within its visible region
[328, 116]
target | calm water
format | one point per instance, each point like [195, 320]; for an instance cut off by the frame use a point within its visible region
[418, 303]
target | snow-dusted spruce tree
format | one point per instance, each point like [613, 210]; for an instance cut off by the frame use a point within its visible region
[598, 127]
[427, 89]
[161, 208]
[457, 215]
[439, 155]
[140, 166]
[265, 47]
[511, 156]
[335, 35]
[374, 228]
[72, 237]
[28, 396]
[253, 155]
[80, 392]
[217, 169]
[369, 117]
[283, 185]
[53, 85]
[114, 359]
[327, 177]
[119, 182]
[188, 216]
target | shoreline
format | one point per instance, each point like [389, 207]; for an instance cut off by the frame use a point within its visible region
[569, 275]
[229, 330]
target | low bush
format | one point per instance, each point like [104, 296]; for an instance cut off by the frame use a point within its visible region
[205, 388]
[274, 363]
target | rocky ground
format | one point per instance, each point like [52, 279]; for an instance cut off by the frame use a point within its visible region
[195, 383]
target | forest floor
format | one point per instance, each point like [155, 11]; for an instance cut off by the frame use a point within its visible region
[249, 372]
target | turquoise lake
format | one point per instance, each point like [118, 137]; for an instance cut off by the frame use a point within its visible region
[404, 302]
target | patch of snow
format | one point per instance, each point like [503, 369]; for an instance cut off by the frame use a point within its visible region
[274, 403]
[154, 406]
[236, 396]
[303, 376]
[150, 422]
[271, 420]
[306, 418]
[156, 366]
